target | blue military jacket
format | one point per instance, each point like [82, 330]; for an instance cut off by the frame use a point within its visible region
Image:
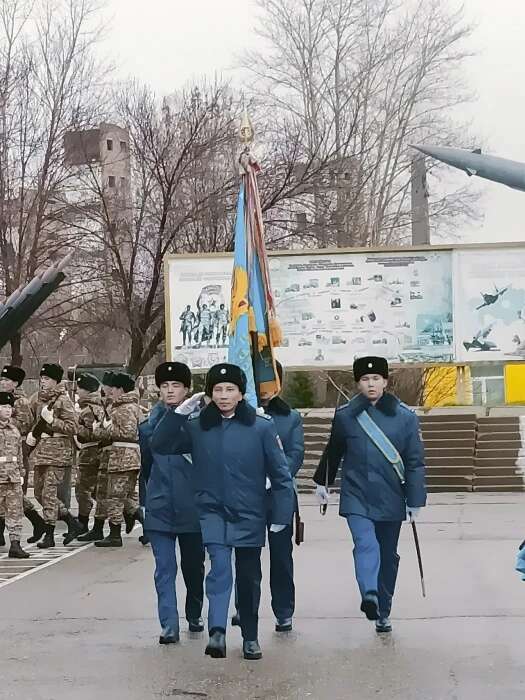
[289, 425]
[170, 499]
[231, 459]
[369, 484]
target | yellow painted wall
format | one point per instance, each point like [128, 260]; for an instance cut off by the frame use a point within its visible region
[515, 383]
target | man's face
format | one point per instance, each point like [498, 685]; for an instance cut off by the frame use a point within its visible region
[266, 397]
[226, 396]
[372, 386]
[47, 383]
[107, 391]
[173, 393]
[117, 392]
[7, 385]
[6, 412]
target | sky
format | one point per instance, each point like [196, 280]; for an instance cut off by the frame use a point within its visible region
[167, 42]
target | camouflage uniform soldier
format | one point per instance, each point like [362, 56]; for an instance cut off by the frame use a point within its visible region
[11, 379]
[124, 457]
[101, 491]
[53, 453]
[11, 495]
[91, 411]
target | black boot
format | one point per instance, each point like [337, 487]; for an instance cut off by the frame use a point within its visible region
[16, 551]
[49, 539]
[39, 526]
[96, 533]
[84, 521]
[129, 520]
[114, 538]
[370, 605]
[217, 645]
[74, 528]
[2, 528]
[251, 650]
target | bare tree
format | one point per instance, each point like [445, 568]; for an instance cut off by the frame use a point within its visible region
[49, 84]
[363, 79]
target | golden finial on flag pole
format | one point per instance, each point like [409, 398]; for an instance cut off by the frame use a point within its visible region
[246, 131]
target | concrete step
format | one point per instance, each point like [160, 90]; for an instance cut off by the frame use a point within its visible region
[449, 469]
[498, 445]
[499, 471]
[498, 428]
[448, 434]
[450, 488]
[449, 451]
[499, 461]
[500, 488]
[449, 427]
[499, 481]
[449, 418]
[449, 443]
[498, 420]
[501, 452]
[499, 435]
[438, 461]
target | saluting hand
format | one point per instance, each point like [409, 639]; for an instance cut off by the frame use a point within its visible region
[47, 414]
[187, 407]
[30, 440]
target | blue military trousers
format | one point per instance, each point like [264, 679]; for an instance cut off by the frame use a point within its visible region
[164, 549]
[219, 584]
[375, 557]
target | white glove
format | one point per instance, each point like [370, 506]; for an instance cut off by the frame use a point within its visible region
[107, 423]
[413, 514]
[95, 426]
[47, 415]
[277, 528]
[268, 484]
[322, 495]
[259, 411]
[30, 440]
[187, 407]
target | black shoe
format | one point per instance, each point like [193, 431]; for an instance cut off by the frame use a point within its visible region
[251, 650]
[195, 624]
[144, 540]
[2, 528]
[74, 528]
[169, 636]
[49, 539]
[217, 644]
[114, 539]
[370, 605]
[39, 526]
[283, 624]
[16, 551]
[236, 620]
[95, 534]
[383, 625]
[129, 520]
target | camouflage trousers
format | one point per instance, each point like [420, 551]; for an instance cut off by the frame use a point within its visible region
[102, 487]
[86, 488]
[45, 482]
[121, 495]
[11, 506]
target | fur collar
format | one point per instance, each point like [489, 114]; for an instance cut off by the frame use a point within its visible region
[278, 407]
[210, 417]
[387, 404]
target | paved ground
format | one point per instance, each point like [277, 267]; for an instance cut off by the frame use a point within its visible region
[86, 627]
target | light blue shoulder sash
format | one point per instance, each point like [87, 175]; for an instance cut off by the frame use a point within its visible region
[382, 443]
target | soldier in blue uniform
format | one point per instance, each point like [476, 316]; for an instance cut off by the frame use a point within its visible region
[377, 440]
[171, 514]
[289, 425]
[233, 451]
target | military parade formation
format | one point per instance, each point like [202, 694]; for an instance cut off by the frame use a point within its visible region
[217, 476]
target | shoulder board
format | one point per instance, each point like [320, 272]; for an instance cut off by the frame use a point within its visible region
[266, 416]
[345, 405]
[404, 405]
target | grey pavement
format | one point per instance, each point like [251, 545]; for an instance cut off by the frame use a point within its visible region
[86, 627]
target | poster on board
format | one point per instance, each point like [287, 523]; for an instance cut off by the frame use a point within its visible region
[489, 303]
[331, 307]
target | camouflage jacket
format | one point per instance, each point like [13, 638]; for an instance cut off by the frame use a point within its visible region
[10, 453]
[55, 450]
[91, 411]
[22, 415]
[124, 452]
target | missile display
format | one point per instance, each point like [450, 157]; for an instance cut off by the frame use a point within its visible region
[506, 172]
